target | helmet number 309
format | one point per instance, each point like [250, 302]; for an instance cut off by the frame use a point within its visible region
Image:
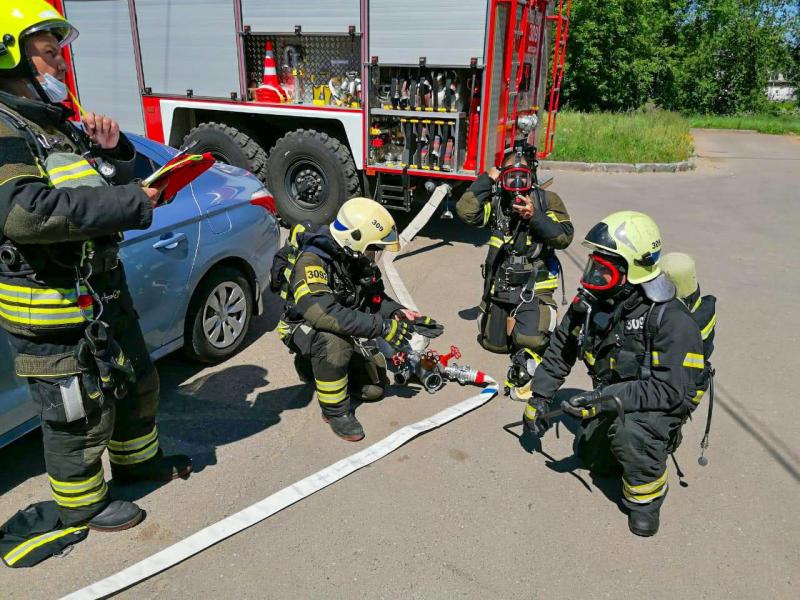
[377, 225]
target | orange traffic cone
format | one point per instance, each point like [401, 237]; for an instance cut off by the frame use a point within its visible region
[270, 89]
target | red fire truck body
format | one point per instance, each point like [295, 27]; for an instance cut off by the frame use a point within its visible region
[327, 99]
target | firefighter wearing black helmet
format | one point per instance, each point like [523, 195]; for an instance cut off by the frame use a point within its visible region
[63, 295]
[641, 345]
[521, 270]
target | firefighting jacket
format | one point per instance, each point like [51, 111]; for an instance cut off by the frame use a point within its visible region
[612, 342]
[50, 223]
[549, 229]
[334, 292]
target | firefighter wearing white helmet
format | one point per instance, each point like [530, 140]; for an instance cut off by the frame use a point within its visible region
[644, 354]
[336, 295]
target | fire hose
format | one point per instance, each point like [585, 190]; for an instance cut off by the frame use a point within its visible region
[235, 523]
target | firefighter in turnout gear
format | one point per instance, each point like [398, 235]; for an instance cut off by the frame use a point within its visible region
[336, 299]
[521, 270]
[640, 345]
[63, 294]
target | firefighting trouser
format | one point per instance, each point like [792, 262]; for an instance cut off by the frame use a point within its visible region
[339, 369]
[637, 449]
[126, 426]
[531, 324]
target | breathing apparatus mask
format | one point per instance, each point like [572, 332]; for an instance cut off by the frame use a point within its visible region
[517, 178]
[604, 275]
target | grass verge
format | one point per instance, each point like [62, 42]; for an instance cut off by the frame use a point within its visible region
[776, 124]
[634, 137]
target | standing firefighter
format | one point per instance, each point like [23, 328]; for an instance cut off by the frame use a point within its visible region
[336, 298]
[640, 345]
[63, 294]
[521, 269]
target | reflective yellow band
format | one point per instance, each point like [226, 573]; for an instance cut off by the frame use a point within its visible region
[287, 273]
[549, 284]
[137, 457]
[301, 291]
[332, 397]
[698, 397]
[487, 213]
[530, 412]
[71, 167]
[694, 361]
[645, 492]
[613, 364]
[709, 328]
[32, 544]
[495, 242]
[73, 487]
[298, 229]
[589, 357]
[588, 413]
[331, 386]
[534, 356]
[28, 317]
[134, 444]
[697, 304]
[392, 331]
[656, 360]
[89, 172]
[645, 488]
[554, 217]
[82, 500]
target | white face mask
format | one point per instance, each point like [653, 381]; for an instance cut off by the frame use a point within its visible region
[56, 90]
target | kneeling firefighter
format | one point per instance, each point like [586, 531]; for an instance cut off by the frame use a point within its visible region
[521, 269]
[336, 298]
[64, 299]
[644, 354]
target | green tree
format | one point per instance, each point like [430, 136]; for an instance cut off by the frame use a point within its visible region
[729, 49]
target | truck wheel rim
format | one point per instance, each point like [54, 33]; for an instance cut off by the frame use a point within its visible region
[224, 314]
[306, 184]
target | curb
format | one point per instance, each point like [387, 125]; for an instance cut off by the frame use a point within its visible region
[559, 165]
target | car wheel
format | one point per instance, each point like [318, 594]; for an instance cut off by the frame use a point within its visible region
[311, 174]
[229, 145]
[219, 315]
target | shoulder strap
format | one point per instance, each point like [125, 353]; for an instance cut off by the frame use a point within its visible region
[34, 142]
[651, 327]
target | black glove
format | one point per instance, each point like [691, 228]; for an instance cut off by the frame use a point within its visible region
[428, 327]
[588, 404]
[532, 418]
[398, 333]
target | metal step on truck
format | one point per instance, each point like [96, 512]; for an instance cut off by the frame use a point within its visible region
[328, 99]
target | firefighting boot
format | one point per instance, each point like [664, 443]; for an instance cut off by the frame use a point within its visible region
[118, 515]
[346, 426]
[644, 522]
[159, 468]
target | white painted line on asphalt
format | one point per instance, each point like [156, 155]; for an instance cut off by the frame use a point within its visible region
[264, 509]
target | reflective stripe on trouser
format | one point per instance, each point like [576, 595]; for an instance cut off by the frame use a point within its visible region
[72, 453]
[330, 361]
[639, 448]
[135, 439]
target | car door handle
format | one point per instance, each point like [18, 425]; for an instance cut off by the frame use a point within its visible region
[171, 242]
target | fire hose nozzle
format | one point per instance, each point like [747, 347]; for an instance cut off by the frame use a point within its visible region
[463, 375]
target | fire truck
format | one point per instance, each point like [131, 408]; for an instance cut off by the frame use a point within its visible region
[327, 99]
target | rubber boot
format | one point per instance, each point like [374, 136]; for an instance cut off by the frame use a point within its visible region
[117, 516]
[159, 468]
[644, 522]
[346, 426]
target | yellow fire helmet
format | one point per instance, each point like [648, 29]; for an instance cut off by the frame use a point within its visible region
[635, 238]
[20, 19]
[681, 270]
[362, 222]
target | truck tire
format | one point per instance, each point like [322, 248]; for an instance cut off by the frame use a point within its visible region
[229, 145]
[310, 174]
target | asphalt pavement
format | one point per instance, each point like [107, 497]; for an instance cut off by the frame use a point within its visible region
[467, 511]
